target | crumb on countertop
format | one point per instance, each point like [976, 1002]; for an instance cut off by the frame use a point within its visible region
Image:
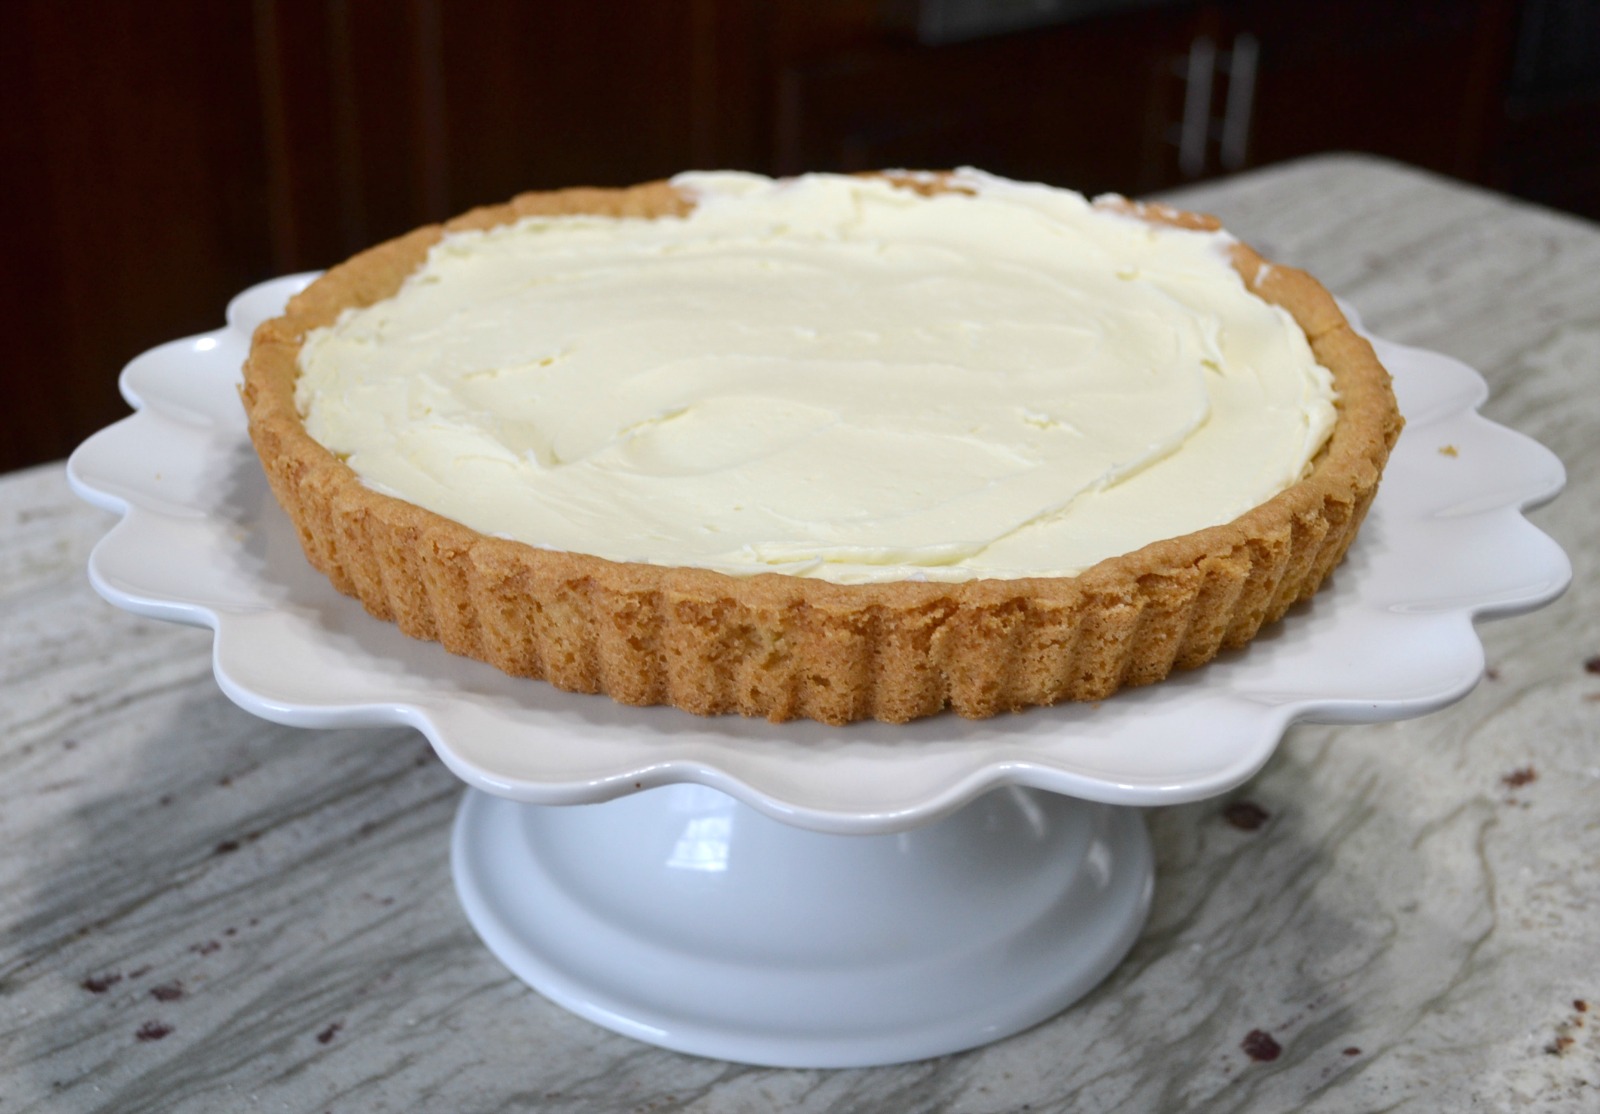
[1247, 816]
[1519, 777]
[1259, 1046]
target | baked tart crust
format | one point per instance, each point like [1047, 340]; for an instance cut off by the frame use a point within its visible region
[787, 647]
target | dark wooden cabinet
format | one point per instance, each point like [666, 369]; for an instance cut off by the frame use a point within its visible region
[1079, 104]
[158, 156]
[1416, 81]
[1161, 93]
[135, 199]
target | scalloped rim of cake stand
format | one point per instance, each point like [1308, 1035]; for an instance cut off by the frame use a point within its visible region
[1391, 636]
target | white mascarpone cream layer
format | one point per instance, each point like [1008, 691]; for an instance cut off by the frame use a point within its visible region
[827, 376]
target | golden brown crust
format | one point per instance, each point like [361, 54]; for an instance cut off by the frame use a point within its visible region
[786, 647]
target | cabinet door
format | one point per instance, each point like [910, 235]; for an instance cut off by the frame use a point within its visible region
[1075, 105]
[1418, 82]
[187, 148]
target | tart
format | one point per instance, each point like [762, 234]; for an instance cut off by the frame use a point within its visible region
[672, 534]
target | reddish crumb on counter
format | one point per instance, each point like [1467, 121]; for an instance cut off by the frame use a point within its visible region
[99, 984]
[1247, 816]
[153, 1031]
[1519, 777]
[1352, 1051]
[1580, 1005]
[1259, 1046]
[1592, 665]
[167, 991]
[327, 1035]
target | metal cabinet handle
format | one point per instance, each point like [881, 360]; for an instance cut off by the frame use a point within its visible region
[1241, 68]
[1196, 129]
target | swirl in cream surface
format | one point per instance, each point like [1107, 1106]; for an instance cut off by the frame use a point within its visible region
[827, 376]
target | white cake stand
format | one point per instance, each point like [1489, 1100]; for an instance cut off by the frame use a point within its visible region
[799, 895]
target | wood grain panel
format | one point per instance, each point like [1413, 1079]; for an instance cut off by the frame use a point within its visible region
[1417, 81]
[541, 96]
[138, 188]
[1072, 105]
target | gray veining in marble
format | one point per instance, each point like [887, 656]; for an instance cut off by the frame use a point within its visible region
[201, 911]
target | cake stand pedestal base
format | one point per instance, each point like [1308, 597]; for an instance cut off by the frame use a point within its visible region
[680, 917]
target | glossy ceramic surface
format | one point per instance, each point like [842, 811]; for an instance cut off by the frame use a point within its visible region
[680, 917]
[201, 541]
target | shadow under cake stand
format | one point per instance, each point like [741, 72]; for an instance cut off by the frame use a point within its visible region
[799, 895]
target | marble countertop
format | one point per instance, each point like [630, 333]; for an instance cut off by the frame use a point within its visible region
[202, 911]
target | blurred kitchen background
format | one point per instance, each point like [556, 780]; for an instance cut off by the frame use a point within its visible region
[159, 155]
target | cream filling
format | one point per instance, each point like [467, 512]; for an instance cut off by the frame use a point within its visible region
[830, 377]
